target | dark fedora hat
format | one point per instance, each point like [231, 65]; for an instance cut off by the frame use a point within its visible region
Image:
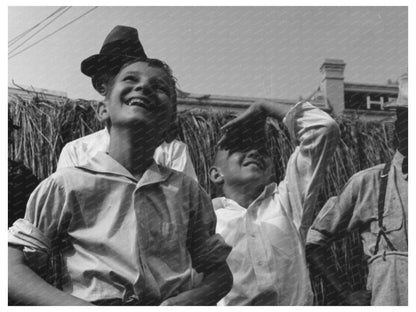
[121, 44]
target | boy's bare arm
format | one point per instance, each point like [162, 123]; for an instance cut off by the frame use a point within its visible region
[27, 287]
[215, 285]
[318, 258]
[259, 110]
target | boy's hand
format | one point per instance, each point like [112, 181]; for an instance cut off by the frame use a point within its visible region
[255, 113]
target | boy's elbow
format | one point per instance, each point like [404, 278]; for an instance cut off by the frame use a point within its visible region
[331, 131]
[333, 127]
[15, 256]
[225, 280]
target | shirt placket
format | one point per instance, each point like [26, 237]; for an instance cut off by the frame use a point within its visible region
[256, 248]
[145, 286]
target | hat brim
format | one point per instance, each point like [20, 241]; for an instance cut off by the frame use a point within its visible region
[105, 62]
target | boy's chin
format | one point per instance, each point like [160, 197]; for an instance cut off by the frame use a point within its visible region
[257, 180]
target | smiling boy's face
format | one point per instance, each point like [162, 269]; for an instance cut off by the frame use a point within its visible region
[141, 97]
[241, 167]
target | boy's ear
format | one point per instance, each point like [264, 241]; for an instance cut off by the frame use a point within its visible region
[215, 175]
[102, 112]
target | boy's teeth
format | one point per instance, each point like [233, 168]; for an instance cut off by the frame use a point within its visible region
[135, 101]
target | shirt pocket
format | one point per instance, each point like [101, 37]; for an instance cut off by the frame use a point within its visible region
[168, 239]
[392, 221]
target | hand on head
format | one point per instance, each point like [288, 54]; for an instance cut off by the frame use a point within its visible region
[253, 116]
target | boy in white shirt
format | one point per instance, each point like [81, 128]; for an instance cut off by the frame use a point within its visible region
[266, 223]
[130, 232]
[171, 153]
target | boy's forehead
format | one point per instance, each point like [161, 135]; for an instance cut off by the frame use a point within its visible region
[145, 67]
[221, 157]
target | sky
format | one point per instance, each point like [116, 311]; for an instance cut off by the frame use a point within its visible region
[266, 52]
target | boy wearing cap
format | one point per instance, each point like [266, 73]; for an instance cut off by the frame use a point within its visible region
[374, 201]
[265, 222]
[135, 233]
[171, 153]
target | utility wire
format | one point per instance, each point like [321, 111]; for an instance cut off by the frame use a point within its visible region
[15, 39]
[15, 48]
[47, 36]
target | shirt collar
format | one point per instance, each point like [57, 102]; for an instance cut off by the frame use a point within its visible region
[104, 163]
[227, 203]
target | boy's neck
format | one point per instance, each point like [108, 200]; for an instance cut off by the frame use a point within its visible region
[242, 195]
[133, 152]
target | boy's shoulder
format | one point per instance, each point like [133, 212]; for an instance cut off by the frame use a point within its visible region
[182, 181]
[97, 137]
[67, 173]
[61, 179]
[367, 174]
[175, 174]
[269, 191]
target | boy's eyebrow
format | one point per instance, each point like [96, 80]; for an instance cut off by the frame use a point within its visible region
[132, 72]
[158, 79]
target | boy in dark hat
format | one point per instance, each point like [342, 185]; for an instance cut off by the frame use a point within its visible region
[170, 153]
[374, 201]
[135, 233]
[264, 222]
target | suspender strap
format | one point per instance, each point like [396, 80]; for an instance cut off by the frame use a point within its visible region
[381, 202]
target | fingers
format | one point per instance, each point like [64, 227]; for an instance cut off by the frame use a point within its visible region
[236, 121]
[252, 113]
[221, 140]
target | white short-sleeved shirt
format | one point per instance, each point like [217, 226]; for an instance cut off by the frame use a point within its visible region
[268, 257]
[174, 155]
[126, 239]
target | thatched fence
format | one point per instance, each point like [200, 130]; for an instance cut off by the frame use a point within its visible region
[46, 126]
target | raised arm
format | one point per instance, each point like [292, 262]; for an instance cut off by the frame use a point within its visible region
[316, 136]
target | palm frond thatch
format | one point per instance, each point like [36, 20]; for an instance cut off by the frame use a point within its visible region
[46, 126]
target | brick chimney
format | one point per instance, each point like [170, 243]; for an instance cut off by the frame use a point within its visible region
[332, 84]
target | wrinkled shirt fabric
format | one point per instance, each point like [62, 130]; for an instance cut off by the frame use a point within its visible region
[174, 155]
[129, 239]
[357, 208]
